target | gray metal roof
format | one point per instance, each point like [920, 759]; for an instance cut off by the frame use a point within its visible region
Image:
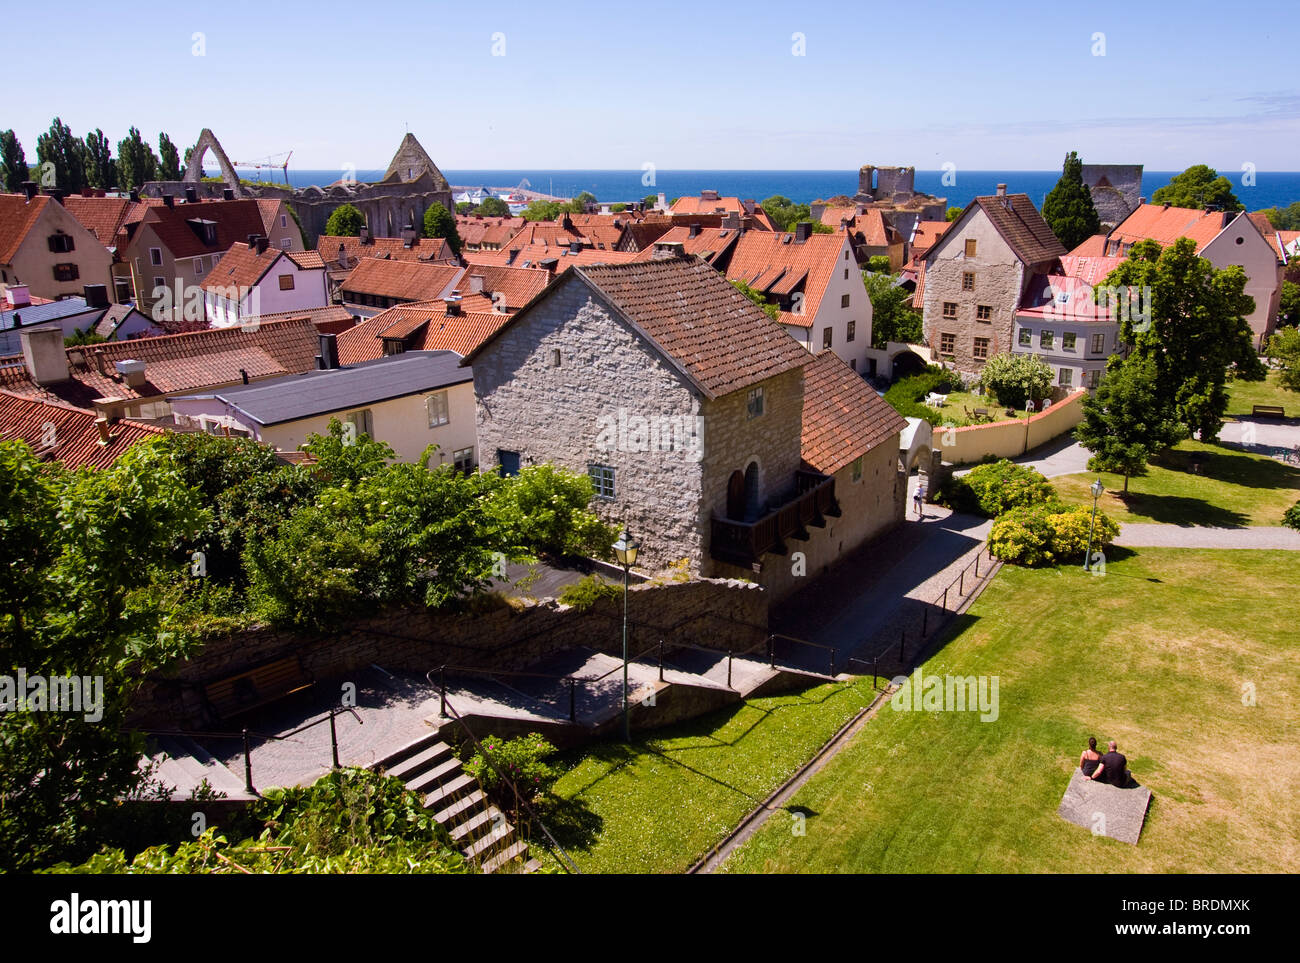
[38, 313]
[314, 393]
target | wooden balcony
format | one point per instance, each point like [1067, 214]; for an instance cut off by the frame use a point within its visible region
[745, 543]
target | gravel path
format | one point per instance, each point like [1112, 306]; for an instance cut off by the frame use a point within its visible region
[1150, 535]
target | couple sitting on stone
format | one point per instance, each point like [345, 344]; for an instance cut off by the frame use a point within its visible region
[1112, 768]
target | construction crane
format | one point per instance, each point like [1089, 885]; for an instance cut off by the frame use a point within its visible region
[268, 163]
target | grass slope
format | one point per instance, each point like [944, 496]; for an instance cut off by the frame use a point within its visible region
[1154, 654]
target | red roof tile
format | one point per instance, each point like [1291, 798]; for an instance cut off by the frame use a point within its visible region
[709, 243]
[434, 250]
[241, 266]
[517, 285]
[1166, 225]
[843, 417]
[763, 259]
[103, 217]
[76, 437]
[533, 255]
[235, 221]
[425, 327]
[403, 280]
[17, 215]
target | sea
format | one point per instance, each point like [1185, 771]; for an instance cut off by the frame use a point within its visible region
[1269, 188]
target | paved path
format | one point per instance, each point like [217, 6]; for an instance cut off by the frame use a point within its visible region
[1150, 535]
[1060, 456]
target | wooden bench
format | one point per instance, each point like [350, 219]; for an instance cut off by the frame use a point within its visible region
[1268, 411]
[981, 413]
[257, 686]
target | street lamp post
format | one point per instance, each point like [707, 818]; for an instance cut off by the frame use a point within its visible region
[1096, 488]
[625, 549]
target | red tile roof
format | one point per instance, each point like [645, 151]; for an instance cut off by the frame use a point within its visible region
[1094, 246]
[103, 217]
[306, 260]
[403, 280]
[76, 437]
[716, 205]
[426, 249]
[772, 262]
[332, 319]
[1166, 225]
[718, 338]
[235, 221]
[1021, 226]
[241, 266]
[175, 362]
[17, 216]
[843, 417]
[1044, 294]
[476, 231]
[1277, 240]
[925, 234]
[710, 243]
[533, 255]
[425, 327]
[1092, 270]
[518, 285]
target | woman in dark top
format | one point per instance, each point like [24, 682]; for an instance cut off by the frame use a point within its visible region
[1090, 758]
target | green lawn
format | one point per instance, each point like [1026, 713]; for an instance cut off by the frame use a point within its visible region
[660, 804]
[1242, 395]
[1155, 654]
[1233, 488]
[954, 410]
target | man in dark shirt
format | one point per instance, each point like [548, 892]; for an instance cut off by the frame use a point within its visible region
[1113, 768]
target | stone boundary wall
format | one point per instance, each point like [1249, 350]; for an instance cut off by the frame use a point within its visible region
[719, 613]
[1006, 439]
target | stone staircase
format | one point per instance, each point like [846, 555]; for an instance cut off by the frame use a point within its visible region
[183, 765]
[429, 767]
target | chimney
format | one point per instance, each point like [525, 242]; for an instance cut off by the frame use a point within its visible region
[227, 193]
[43, 353]
[476, 284]
[566, 222]
[252, 241]
[191, 195]
[409, 235]
[693, 231]
[105, 435]
[709, 195]
[18, 296]
[96, 295]
[668, 250]
[730, 221]
[109, 410]
[575, 247]
[169, 200]
[132, 370]
[262, 242]
[328, 359]
[135, 196]
[662, 201]
[1002, 190]
[802, 231]
[364, 234]
[243, 375]
[549, 265]
[29, 188]
[452, 307]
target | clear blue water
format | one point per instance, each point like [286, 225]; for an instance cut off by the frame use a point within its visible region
[1271, 189]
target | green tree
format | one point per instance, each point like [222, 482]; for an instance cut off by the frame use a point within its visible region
[13, 162]
[344, 221]
[169, 159]
[1191, 320]
[1016, 378]
[617, 208]
[1288, 306]
[784, 212]
[464, 207]
[1284, 218]
[953, 213]
[83, 555]
[493, 207]
[1128, 420]
[100, 169]
[878, 262]
[136, 162]
[440, 222]
[773, 311]
[650, 200]
[1068, 209]
[579, 204]
[542, 211]
[1284, 347]
[892, 315]
[1199, 187]
[66, 153]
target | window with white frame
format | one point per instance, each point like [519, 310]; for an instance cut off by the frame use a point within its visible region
[1066, 378]
[602, 479]
[362, 420]
[437, 406]
[1098, 343]
[155, 256]
[463, 459]
[1026, 337]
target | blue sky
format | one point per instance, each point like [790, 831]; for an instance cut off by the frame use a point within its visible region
[683, 85]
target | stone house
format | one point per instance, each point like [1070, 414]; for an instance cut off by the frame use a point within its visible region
[47, 250]
[977, 274]
[685, 404]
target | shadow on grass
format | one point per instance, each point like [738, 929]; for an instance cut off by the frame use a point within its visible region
[1182, 510]
[1232, 467]
[571, 822]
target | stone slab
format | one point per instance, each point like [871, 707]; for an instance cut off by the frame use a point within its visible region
[1105, 810]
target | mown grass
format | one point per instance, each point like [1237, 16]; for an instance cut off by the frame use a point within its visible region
[1159, 654]
[1232, 489]
[659, 804]
[1243, 395]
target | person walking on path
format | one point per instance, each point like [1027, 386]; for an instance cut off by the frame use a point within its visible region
[918, 499]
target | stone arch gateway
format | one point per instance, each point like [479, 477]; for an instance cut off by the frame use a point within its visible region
[194, 172]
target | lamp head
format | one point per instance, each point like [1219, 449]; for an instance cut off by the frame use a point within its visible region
[1097, 488]
[626, 548]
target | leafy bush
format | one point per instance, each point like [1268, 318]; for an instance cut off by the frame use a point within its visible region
[1292, 516]
[348, 821]
[991, 489]
[1014, 378]
[521, 760]
[586, 592]
[1047, 533]
[905, 394]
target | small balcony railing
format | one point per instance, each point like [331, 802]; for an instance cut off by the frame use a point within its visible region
[745, 543]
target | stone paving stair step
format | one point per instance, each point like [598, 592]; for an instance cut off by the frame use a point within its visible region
[449, 791]
[420, 761]
[499, 837]
[439, 774]
[459, 806]
[516, 850]
[481, 822]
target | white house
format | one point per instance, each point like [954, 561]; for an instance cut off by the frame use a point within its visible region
[253, 279]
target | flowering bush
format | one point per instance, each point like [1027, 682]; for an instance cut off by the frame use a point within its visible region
[1047, 533]
[521, 760]
[1070, 529]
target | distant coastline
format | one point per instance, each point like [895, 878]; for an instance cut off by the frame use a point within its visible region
[1271, 188]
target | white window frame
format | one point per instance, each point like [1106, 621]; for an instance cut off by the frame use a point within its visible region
[155, 257]
[463, 459]
[603, 480]
[438, 409]
[363, 419]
